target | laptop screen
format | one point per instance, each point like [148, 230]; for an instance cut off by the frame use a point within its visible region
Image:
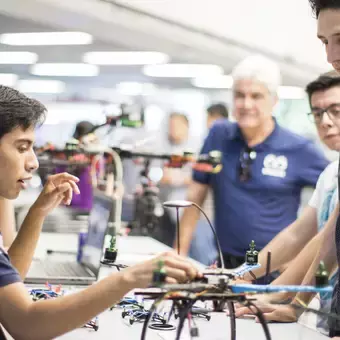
[98, 223]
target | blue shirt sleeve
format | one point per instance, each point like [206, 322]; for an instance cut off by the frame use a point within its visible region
[313, 162]
[8, 274]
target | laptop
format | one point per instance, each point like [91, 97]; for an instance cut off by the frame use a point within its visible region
[72, 272]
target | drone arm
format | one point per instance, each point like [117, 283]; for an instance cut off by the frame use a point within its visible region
[288, 243]
[197, 193]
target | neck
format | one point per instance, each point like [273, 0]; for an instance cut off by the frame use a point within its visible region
[254, 136]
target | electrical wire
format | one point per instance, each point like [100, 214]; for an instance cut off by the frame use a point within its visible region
[214, 232]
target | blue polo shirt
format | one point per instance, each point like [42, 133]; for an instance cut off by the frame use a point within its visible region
[259, 208]
[8, 274]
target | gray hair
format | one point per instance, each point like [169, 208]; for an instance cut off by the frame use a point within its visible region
[260, 68]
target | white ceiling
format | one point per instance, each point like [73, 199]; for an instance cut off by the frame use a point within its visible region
[200, 31]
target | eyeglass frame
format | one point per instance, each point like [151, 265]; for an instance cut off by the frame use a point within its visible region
[321, 112]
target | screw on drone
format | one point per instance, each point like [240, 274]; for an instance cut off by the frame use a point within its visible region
[252, 254]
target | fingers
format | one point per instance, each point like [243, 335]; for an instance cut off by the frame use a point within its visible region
[172, 260]
[64, 191]
[280, 314]
[62, 177]
[242, 311]
[74, 187]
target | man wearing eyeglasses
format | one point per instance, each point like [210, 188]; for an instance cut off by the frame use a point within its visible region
[265, 167]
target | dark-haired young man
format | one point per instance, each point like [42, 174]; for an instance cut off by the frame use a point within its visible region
[291, 243]
[328, 16]
[21, 317]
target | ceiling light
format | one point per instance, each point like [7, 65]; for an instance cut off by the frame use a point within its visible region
[18, 58]
[40, 86]
[65, 70]
[215, 82]
[182, 70]
[46, 38]
[125, 58]
[291, 92]
[135, 89]
[8, 79]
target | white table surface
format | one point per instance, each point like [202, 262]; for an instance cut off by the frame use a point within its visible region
[134, 249]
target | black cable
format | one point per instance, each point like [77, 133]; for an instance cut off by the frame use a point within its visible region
[178, 238]
[214, 232]
[182, 317]
[259, 314]
[252, 275]
[232, 317]
[269, 256]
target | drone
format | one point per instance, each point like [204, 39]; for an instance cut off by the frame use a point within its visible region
[210, 162]
[93, 324]
[46, 293]
[141, 314]
[218, 286]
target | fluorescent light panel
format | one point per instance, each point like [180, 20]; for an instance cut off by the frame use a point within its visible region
[46, 38]
[135, 88]
[65, 70]
[125, 58]
[182, 70]
[8, 79]
[18, 58]
[215, 82]
[40, 86]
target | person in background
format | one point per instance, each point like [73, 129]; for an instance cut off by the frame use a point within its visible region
[291, 243]
[19, 315]
[265, 167]
[215, 112]
[203, 244]
[175, 182]
[82, 203]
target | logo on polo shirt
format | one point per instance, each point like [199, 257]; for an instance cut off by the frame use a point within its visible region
[275, 166]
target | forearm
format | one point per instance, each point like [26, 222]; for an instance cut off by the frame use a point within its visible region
[296, 271]
[187, 228]
[197, 193]
[51, 318]
[288, 243]
[22, 250]
[326, 252]
[7, 222]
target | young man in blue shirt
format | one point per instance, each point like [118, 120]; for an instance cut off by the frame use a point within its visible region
[21, 317]
[265, 167]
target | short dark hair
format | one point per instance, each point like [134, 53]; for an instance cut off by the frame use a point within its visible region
[218, 109]
[179, 115]
[324, 82]
[83, 128]
[17, 110]
[319, 5]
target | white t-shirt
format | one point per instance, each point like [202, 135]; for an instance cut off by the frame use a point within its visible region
[324, 200]
[325, 196]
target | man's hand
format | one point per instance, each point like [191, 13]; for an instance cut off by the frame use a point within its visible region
[177, 268]
[280, 313]
[58, 189]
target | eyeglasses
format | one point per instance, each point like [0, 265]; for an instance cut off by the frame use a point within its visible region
[333, 112]
[247, 157]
